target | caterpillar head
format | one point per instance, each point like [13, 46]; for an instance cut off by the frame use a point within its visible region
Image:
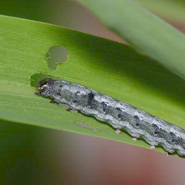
[45, 87]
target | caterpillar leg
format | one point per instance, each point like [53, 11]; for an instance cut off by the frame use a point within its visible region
[72, 109]
[118, 131]
[38, 93]
[53, 101]
[134, 139]
[64, 106]
[67, 107]
[152, 147]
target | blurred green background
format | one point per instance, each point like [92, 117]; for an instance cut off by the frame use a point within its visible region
[31, 155]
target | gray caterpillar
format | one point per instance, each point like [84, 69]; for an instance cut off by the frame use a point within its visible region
[118, 114]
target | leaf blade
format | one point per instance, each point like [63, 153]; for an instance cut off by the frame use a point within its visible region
[106, 66]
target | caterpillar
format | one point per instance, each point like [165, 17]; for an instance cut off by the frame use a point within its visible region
[120, 115]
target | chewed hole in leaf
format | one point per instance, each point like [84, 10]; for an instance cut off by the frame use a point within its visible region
[37, 77]
[56, 55]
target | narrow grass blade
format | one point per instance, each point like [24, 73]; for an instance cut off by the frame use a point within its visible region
[147, 33]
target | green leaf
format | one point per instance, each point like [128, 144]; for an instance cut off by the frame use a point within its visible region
[106, 66]
[146, 32]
